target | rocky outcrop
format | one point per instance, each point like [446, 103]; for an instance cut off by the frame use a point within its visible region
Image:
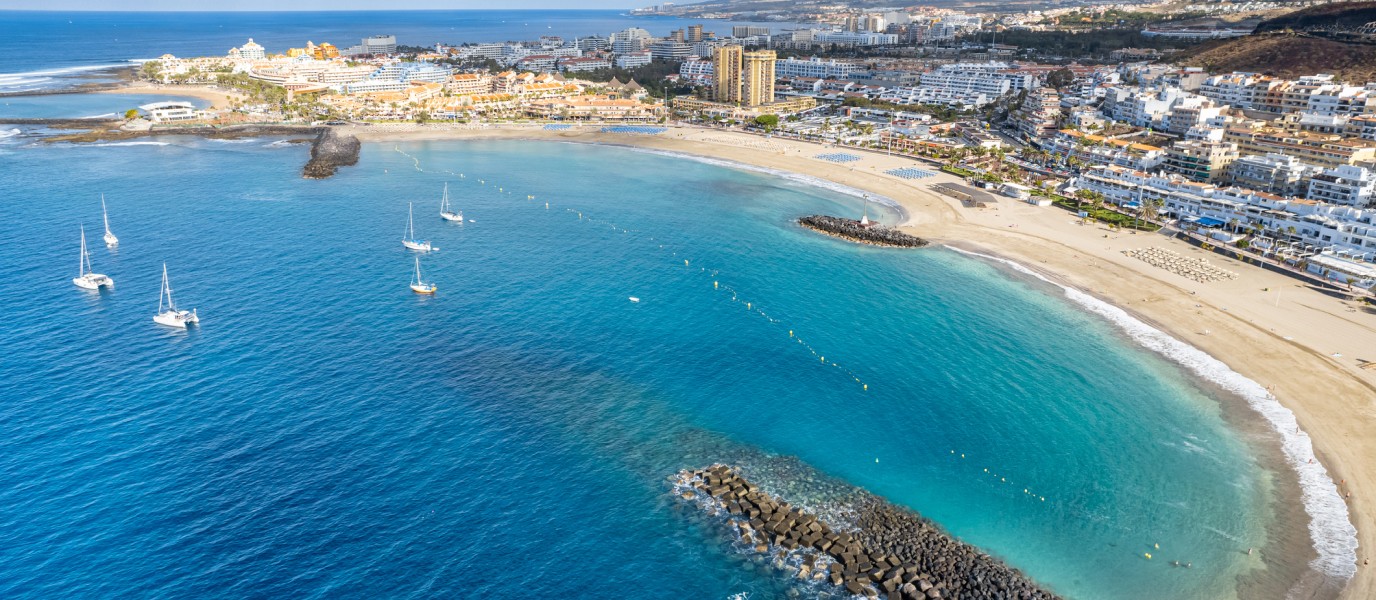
[887, 552]
[872, 233]
[329, 152]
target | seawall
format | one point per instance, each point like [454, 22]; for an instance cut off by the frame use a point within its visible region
[889, 551]
[850, 229]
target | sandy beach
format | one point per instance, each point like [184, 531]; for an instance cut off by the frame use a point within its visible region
[218, 98]
[1300, 343]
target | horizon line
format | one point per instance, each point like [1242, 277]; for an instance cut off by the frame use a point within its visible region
[84, 10]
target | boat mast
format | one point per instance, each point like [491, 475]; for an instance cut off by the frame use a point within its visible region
[105, 214]
[444, 202]
[418, 281]
[85, 263]
[410, 227]
[166, 289]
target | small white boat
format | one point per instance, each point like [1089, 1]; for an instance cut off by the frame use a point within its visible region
[410, 240]
[110, 239]
[634, 299]
[86, 279]
[419, 285]
[446, 212]
[172, 317]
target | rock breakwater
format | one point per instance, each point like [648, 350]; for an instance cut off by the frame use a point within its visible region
[329, 152]
[865, 233]
[887, 552]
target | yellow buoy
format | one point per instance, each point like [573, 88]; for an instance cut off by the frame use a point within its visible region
[1148, 554]
[747, 305]
[790, 334]
[685, 262]
[1157, 546]
[867, 387]
[716, 285]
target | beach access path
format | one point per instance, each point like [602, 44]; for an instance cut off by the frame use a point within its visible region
[1301, 343]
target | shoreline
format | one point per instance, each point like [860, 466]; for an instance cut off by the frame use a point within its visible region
[1302, 354]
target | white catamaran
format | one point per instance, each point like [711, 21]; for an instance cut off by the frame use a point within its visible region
[86, 279]
[446, 212]
[110, 239]
[410, 240]
[419, 285]
[172, 317]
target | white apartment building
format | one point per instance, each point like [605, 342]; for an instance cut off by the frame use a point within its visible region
[1321, 227]
[697, 71]
[1347, 185]
[1279, 174]
[815, 67]
[633, 60]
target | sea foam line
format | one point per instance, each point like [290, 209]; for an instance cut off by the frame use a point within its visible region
[1330, 526]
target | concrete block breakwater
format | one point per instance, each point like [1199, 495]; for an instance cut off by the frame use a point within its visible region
[891, 553]
[850, 229]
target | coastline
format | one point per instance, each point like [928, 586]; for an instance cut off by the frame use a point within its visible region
[1303, 352]
[217, 98]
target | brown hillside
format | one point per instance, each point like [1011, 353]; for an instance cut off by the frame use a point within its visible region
[1283, 55]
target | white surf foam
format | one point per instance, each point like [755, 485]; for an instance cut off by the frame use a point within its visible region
[1330, 527]
[8, 81]
[10, 133]
[277, 144]
[104, 116]
[114, 144]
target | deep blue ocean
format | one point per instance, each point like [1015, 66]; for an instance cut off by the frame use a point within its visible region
[44, 49]
[325, 432]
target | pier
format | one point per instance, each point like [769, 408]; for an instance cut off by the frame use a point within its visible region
[864, 233]
[888, 552]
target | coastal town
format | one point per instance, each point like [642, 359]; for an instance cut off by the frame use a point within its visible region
[1279, 171]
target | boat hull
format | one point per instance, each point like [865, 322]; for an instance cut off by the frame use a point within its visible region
[423, 289]
[176, 318]
[92, 281]
[111, 240]
[458, 217]
[416, 245]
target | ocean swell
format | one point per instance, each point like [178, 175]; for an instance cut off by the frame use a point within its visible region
[1330, 527]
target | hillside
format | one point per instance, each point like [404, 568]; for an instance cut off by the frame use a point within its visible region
[1284, 55]
[1327, 18]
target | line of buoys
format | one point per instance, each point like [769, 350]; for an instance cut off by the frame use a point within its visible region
[1003, 479]
[716, 284]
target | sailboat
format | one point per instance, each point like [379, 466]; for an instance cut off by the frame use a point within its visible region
[410, 240]
[172, 317]
[446, 212]
[86, 279]
[419, 285]
[110, 239]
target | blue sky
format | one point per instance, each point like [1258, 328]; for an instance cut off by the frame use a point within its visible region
[227, 5]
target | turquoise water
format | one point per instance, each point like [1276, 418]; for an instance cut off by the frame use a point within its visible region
[81, 106]
[327, 433]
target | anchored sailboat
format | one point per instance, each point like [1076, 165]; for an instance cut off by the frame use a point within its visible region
[172, 317]
[446, 212]
[110, 239]
[410, 240]
[419, 285]
[86, 279]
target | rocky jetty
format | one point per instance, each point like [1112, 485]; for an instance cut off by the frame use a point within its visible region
[888, 552]
[329, 152]
[855, 231]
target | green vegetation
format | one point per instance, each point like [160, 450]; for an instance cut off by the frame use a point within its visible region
[1097, 210]
[945, 114]
[131, 114]
[1098, 43]
[652, 76]
[768, 122]
[954, 170]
